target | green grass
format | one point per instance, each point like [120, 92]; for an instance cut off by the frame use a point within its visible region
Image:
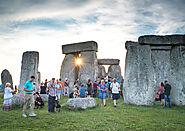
[123, 117]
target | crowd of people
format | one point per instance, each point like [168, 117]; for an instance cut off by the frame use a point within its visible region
[56, 90]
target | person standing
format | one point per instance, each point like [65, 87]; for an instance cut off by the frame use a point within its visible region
[167, 90]
[34, 88]
[66, 87]
[95, 85]
[28, 97]
[52, 95]
[89, 88]
[62, 89]
[7, 105]
[43, 89]
[102, 92]
[161, 93]
[59, 87]
[109, 91]
[115, 86]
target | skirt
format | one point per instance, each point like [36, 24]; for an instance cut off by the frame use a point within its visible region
[7, 105]
[102, 96]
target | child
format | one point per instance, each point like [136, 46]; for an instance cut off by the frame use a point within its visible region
[75, 94]
[7, 105]
[38, 102]
[82, 91]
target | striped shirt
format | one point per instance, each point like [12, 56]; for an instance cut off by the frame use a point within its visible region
[52, 89]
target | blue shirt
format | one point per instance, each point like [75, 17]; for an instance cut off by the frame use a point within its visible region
[1, 86]
[29, 86]
[102, 87]
[82, 92]
[118, 80]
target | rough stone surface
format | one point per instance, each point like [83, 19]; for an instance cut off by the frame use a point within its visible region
[165, 60]
[114, 71]
[162, 40]
[44, 97]
[80, 47]
[108, 61]
[68, 69]
[30, 63]
[139, 75]
[89, 67]
[101, 71]
[82, 103]
[161, 64]
[177, 80]
[6, 77]
[18, 98]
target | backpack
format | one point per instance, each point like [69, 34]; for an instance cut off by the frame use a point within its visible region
[109, 86]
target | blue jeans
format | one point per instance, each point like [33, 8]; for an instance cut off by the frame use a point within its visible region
[51, 103]
[169, 100]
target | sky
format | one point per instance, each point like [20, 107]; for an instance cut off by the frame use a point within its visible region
[46, 25]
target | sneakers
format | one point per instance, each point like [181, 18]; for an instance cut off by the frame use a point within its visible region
[32, 115]
[24, 115]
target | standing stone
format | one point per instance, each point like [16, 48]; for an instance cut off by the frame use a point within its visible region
[101, 71]
[161, 64]
[6, 77]
[89, 67]
[114, 71]
[29, 67]
[177, 79]
[139, 75]
[68, 69]
[30, 63]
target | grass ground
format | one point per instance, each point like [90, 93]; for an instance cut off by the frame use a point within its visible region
[123, 117]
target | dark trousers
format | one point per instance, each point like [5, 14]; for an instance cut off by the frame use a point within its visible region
[51, 103]
[94, 92]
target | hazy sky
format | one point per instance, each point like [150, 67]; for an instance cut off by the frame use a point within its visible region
[44, 25]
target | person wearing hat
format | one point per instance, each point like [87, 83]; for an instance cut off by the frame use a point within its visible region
[115, 86]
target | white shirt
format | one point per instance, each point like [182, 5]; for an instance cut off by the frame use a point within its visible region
[115, 87]
[7, 93]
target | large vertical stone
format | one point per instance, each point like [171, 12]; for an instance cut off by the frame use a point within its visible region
[30, 63]
[6, 77]
[89, 67]
[68, 68]
[29, 67]
[139, 75]
[114, 71]
[161, 64]
[177, 79]
[101, 71]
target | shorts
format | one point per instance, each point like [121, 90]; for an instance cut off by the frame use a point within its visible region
[162, 96]
[115, 96]
[102, 96]
[62, 92]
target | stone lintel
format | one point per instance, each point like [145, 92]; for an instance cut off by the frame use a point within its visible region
[108, 61]
[162, 40]
[79, 47]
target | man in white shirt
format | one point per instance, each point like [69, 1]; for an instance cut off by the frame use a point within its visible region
[115, 86]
